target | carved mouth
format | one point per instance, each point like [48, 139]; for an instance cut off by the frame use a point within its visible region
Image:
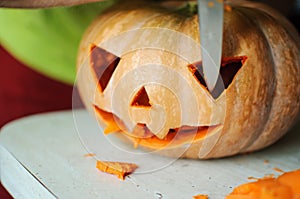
[141, 135]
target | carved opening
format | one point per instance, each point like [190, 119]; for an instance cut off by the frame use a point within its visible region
[141, 98]
[141, 135]
[228, 70]
[113, 122]
[104, 64]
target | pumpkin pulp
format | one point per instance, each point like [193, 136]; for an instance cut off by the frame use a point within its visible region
[285, 186]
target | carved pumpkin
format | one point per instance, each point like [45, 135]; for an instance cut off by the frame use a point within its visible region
[140, 73]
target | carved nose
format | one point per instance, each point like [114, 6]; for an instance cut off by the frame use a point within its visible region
[164, 111]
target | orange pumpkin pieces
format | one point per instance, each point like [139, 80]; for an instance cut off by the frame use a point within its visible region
[119, 169]
[286, 186]
[200, 196]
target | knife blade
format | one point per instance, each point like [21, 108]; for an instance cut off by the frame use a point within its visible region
[211, 17]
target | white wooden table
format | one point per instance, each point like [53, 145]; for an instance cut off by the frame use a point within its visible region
[42, 156]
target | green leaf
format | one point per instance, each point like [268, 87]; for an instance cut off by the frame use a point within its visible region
[47, 39]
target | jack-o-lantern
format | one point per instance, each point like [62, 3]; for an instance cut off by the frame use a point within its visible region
[140, 73]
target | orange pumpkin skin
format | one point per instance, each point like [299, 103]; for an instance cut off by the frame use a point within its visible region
[258, 107]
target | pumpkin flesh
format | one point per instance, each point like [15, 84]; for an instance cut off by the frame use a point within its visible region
[285, 186]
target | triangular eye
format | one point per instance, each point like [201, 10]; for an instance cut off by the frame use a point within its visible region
[103, 64]
[228, 70]
[141, 98]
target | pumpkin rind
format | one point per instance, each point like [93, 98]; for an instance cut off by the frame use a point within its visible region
[258, 107]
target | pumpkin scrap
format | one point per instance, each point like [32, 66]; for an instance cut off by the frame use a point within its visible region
[200, 196]
[286, 186]
[269, 176]
[120, 169]
[266, 161]
[90, 155]
[278, 170]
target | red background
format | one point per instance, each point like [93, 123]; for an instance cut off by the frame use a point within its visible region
[25, 92]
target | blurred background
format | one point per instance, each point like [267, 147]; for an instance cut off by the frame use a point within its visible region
[24, 91]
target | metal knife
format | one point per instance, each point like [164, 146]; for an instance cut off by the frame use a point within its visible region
[211, 14]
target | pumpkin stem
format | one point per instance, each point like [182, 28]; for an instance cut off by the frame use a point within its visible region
[190, 8]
